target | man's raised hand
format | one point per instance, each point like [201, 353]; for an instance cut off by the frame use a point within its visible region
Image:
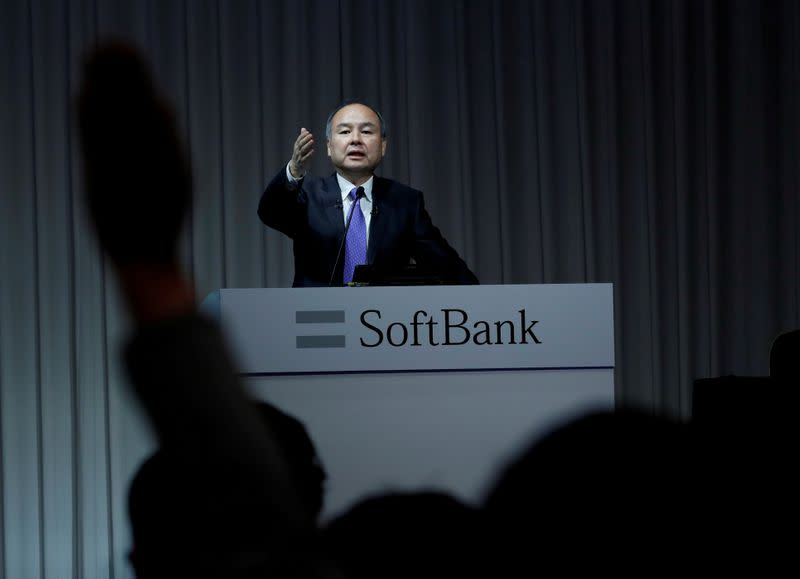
[301, 154]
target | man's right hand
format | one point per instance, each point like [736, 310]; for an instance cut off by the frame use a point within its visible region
[301, 154]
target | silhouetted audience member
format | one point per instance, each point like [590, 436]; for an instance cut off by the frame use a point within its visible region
[166, 510]
[306, 470]
[240, 516]
[172, 528]
[746, 432]
[784, 357]
[600, 492]
[427, 534]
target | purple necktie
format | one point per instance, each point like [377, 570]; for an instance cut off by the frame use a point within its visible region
[355, 251]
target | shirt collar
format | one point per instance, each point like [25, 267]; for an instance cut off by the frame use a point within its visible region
[346, 186]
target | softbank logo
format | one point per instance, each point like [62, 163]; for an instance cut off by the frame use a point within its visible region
[320, 317]
[447, 327]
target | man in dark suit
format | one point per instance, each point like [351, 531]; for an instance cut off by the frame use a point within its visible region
[389, 226]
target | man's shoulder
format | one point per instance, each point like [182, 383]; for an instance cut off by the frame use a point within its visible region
[390, 187]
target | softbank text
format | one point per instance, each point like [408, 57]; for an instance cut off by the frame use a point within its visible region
[454, 328]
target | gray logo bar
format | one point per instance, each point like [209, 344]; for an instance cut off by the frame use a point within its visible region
[320, 317]
[320, 342]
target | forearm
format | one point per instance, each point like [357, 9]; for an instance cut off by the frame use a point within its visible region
[155, 291]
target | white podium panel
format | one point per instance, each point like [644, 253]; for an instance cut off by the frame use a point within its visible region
[420, 328]
[435, 400]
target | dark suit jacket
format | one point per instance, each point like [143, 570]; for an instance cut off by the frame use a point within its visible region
[400, 229]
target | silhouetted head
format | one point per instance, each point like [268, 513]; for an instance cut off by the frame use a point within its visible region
[425, 534]
[305, 467]
[784, 357]
[185, 518]
[592, 486]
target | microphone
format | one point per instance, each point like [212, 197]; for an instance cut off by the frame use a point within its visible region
[374, 211]
[359, 195]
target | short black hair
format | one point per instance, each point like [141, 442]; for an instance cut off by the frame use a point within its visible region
[348, 102]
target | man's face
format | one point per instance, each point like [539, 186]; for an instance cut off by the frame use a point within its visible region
[355, 146]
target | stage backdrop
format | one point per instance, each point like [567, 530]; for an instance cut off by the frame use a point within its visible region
[649, 144]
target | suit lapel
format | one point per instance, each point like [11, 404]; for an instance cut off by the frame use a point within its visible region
[378, 220]
[333, 204]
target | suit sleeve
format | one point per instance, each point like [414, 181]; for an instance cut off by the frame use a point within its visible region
[281, 205]
[432, 251]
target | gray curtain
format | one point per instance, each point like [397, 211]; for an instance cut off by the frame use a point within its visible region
[652, 144]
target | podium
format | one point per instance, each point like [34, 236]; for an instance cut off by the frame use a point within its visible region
[423, 388]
